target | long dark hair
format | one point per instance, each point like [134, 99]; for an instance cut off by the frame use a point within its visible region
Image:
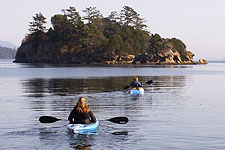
[82, 106]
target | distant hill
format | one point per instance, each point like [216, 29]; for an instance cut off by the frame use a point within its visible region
[7, 44]
[7, 53]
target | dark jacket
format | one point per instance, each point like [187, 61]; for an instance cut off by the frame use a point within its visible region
[81, 118]
[136, 84]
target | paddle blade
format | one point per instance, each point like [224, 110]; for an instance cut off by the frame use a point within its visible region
[120, 120]
[149, 82]
[120, 133]
[126, 87]
[48, 119]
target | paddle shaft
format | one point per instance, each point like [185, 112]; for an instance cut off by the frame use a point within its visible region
[50, 119]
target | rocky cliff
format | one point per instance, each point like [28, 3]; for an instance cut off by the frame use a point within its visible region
[45, 52]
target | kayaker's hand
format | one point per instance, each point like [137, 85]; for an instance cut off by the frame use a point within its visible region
[72, 119]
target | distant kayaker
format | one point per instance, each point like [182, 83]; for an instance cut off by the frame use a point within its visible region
[135, 83]
[81, 113]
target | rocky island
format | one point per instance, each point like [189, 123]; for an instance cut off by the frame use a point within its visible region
[120, 38]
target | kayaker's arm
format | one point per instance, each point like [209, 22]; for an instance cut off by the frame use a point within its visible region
[71, 116]
[93, 119]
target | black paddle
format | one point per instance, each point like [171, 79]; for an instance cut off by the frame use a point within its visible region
[50, 119]
[148, 82]
[120, 120]
[120, 133]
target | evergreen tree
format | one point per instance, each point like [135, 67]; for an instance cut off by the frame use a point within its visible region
[127, 16]
[73, 16]
[93, 39]
[114, 17]
[92, 14]
[38, 23]
[60, 22]
[115, 43]
[157, 44]
[62, 27]
[139, 23]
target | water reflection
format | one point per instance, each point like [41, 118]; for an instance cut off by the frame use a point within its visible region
[102, 94]
[80, 141]
[169, 83]
[62, 87]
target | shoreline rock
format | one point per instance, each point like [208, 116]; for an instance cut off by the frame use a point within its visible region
[202, 61]
[44, 52]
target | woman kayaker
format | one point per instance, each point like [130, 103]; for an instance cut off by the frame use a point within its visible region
[81, 113]
[135, 83]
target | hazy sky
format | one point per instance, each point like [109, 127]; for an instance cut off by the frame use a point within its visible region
[200, 24]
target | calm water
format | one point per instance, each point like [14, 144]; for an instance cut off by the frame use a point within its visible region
[184, 108]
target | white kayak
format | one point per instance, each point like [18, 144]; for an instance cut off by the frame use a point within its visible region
[139, 91]
[83, 128]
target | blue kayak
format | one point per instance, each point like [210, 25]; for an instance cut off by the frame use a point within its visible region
[83, 128]
[139, 91]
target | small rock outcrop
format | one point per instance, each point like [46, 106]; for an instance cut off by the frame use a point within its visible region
[166, 57]
[202, 61]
